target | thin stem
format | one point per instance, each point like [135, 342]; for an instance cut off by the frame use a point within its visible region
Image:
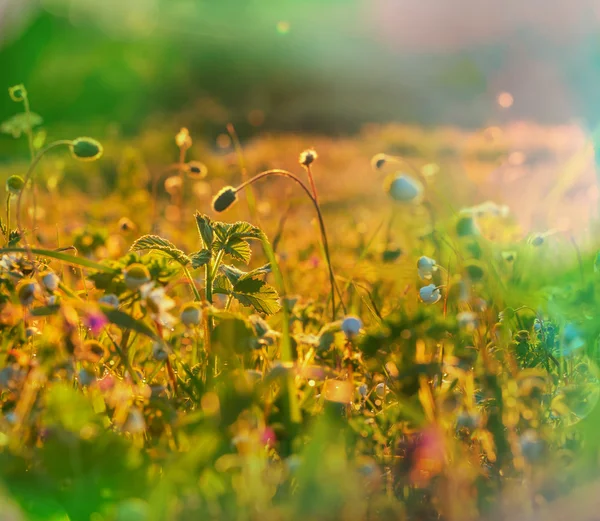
[32, 155]
[8, 218]
[289, 175]
[28, 176]
[188, 275]
[237, 145]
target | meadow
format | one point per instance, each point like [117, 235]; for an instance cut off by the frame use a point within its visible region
[400, 324]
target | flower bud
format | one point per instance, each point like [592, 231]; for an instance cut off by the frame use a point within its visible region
[196, 170]
[136, 275]
[191, 314]
[17, 93]
[351, 326]
[27, 290]
[14, 184]
[404, 189]
[426, 266]
[50, 281]
[307, 157]
[183, 139]
[86, 149]
[430, 294]
[378, 161]
[109, 300]
[224, 199]
[126, 225]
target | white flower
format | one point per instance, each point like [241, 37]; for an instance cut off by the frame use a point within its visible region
[426, 266]
[430, 294]
[404, 189]
[50, 281]
[158, 303]
[351, 326]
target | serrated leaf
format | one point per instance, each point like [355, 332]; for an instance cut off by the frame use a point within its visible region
[232, 273]
[205, 229]
[20, 123]
[257, 272]
[200, 258]
[238, 249]
[258, 294]
[154, 242]
[222, 285]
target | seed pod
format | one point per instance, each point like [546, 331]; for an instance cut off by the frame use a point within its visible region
[378, 161]
[430, 294]
[86, 149]
[191, 314]
[27, 290]
[224, 199]
[109, 300]
[50, 281]
[426, 266]
[136, 275]
[196, 170]
[17, 93]
[14, 184]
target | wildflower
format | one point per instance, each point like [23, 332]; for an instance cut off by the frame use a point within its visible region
[224, 199]
[430, 294]
[268, 438]
[404, 189]
[14, 184]
[136, 275]
[380, 390]
[191, 314]
[426, 266]
[31, 331]
[183, 139]
[86, 149]
[351, 326]
[27, 290]
[110, 300]
[50, 281]
[537, 240]
[307, 157]
[363, 390]
[95, 321]
[158, 303]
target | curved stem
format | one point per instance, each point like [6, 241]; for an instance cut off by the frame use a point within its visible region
[188, 275]
[32, 156]
[28, 176]
[8, 218]
[289, 175]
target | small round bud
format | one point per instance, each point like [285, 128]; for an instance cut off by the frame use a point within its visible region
[27, 290]
[17, 93]
[378, 161]
[307, 157]
[126, 225]
[50, 281]
[380, 390]
[14, 184]
[183, 139]
[191, 314]
[136, 275]
[160, 351]
[31, 331]
[404, 189]
[196, 170]
[536, 240]
[109, 300]
[224, 199]
[426, 266]
[351, 326]
[430, 294]
[86, 149]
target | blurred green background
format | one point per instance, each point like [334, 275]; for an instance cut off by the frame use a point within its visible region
[303, 65]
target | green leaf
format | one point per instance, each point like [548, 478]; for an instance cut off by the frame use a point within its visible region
[70, 259]
[222, 285]
[238, 249]
[232, 332]
[258, 294]
[20, 123]
[205, 229]
[154, 242]
[126, 321]
[235, 274]
[200, 258]
[44, 311]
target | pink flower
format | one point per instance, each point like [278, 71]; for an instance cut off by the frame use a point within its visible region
[95, 320]
[268, 437]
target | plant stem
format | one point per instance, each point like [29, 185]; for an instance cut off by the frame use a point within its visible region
[188, 275]
[8, 218]
[250, 198]
[289, 175]
[32, 156]
[28, 176]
